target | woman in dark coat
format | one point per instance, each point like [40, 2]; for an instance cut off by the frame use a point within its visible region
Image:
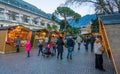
[86, 41]
[60, 44]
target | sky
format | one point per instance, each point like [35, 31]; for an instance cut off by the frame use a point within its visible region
[49, 6]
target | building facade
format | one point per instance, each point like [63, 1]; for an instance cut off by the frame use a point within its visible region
[87, 29]
[15, 12]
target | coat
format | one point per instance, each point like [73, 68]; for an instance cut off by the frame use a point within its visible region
[79, 39]
[17, 41]
[28, 46]
[60, 44]
[98, 48]
[70, 42]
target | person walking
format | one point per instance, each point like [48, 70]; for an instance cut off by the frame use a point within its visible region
[70, 44]
[98, 50]
[46, 40]
[40, 46]
[79, 40]
[60, 44]
[54, 41]
[28, 47]
[73, 38]
[92, 40]
[17, 43]
[86, 41]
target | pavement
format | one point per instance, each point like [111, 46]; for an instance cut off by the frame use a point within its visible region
[81, 63]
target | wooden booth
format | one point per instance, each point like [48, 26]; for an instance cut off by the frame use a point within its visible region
[110, 32]
[8, 34]
[39, 34]
[92, 34]
[55, 34]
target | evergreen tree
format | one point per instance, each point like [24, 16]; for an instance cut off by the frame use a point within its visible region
[95, 26]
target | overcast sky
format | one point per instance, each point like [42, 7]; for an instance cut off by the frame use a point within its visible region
[49, 6]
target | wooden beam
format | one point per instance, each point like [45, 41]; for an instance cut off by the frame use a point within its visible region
[101, 30]
[107, 46]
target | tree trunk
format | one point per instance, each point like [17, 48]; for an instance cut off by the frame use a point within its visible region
[65, 21]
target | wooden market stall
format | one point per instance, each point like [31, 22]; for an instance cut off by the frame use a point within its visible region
[55, 34]
[109, 30]
[40, 34]
[92, 34]
[8, 34]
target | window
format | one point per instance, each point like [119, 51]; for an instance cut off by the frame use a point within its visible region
[25, 18]
[35, 21]
[42, 23]
[1, 10]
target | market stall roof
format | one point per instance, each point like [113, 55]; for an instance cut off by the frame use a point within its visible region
[35, 29]
[9, 27]
[85, 32]
[43, 30]
[110, 19]
[40, 30]
[6, 27]
[56, 32]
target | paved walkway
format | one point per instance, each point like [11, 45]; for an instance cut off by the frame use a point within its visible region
[82, 63]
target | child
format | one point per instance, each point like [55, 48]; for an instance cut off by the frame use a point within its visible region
[28, 48]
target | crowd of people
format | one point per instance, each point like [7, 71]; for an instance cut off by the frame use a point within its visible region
[55, 46]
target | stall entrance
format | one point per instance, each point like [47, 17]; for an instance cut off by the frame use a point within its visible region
[13, 32]
[41, 34]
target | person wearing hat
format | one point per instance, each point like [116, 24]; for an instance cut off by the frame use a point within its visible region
[98, 50]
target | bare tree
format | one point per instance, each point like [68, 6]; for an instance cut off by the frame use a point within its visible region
[101, 6]
[117, 4]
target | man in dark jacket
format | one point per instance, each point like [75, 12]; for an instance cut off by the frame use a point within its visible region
[86, 41]
[92, 40]
[60, 44]
[17, 43]
[70, 44]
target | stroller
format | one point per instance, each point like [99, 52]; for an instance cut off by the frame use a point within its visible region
[53, 51]
[47, 50]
